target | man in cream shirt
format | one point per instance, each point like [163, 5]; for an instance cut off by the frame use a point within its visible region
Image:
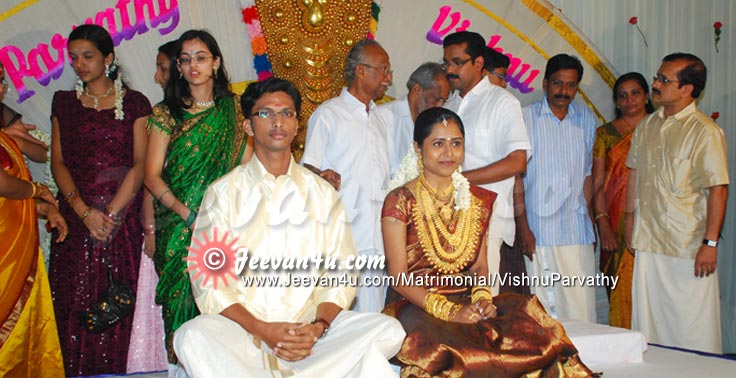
[276, 208]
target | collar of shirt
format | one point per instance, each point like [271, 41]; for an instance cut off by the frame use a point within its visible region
[269, 183]
[479, 89]
[572, 109]
[682, 114]
[402, 107]
[353, 104]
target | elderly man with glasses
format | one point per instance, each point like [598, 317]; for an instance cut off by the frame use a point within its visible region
[496, 142]
[347, 146]
[676, 201]
[559, 191]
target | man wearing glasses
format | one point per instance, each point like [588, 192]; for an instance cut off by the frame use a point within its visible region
[496, 141]
[676, 200]
[279, 328]
[347, 145]
[559, 191]
[427, 88]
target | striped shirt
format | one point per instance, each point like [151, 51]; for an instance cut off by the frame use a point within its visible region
[563, 157]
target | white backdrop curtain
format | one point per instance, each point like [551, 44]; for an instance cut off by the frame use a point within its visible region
[601, 27]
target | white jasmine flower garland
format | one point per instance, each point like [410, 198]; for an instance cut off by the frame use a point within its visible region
[408, 170]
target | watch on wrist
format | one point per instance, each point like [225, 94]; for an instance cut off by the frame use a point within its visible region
[324, 323]
[710, 243]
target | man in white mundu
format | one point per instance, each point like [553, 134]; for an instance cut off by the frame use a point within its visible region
[347, 145]
[675, 204]
[275, 208]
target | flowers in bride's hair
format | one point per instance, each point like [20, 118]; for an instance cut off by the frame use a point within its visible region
[717, 31]
[462, 191]
[408, 170]
[635, 21]
[119, 114]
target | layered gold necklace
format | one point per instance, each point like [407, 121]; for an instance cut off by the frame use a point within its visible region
[449, 252]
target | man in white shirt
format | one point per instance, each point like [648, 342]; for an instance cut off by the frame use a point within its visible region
[278, 210]
[347, 145]
[496, 142]
[428, 88]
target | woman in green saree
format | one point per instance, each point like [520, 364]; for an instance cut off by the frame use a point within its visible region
[196, 136]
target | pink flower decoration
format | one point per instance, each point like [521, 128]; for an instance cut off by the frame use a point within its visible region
[254, 29]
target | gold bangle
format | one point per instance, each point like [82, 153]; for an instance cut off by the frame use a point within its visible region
[599, 216]
[86, 213]
[479, 293]
[34, 189]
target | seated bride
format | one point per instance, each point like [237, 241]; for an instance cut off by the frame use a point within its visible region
[434, 232]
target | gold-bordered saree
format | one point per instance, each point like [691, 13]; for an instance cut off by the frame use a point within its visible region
[522, 340]
[29, 340]
[203, 147]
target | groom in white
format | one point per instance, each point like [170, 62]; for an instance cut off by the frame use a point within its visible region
[276, 208]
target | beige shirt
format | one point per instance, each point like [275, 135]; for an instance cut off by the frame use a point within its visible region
[297, 215]
[677, 159]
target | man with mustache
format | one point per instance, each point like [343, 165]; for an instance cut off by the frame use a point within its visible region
[496, 142]
[559, 190]
[347, 145]
[676, 201]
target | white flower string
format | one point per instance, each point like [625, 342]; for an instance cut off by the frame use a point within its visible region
[408, 170]
[119, 114]
[79, 87]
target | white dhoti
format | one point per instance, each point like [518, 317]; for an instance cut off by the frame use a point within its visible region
[671, 306]
[493, 251]
[356, 345]
[370, 298]
[564, 302]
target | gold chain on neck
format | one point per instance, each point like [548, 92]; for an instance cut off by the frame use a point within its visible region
[433, 232]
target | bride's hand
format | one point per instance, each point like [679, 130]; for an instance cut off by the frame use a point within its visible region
[468, 314]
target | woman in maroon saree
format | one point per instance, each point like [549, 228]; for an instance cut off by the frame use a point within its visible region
[97, 156]
[434, 227]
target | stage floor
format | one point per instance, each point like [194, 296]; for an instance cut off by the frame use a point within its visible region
[658, 362]
[665, 362]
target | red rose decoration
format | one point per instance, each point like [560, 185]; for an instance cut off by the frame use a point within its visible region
[717, 30]
[635, 21]
[715, 115]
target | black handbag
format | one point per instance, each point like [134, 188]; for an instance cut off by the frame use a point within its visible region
[117, 303]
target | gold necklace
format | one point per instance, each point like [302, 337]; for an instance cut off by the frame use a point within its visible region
[96, 99]
[433, 233]
[444, 197]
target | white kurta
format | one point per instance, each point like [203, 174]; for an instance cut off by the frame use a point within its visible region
[293, 216]
[494, 128]
[397, 117]
[343, 137]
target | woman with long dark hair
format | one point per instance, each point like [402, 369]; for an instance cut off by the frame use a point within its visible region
[98, 147]
[196, 136]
